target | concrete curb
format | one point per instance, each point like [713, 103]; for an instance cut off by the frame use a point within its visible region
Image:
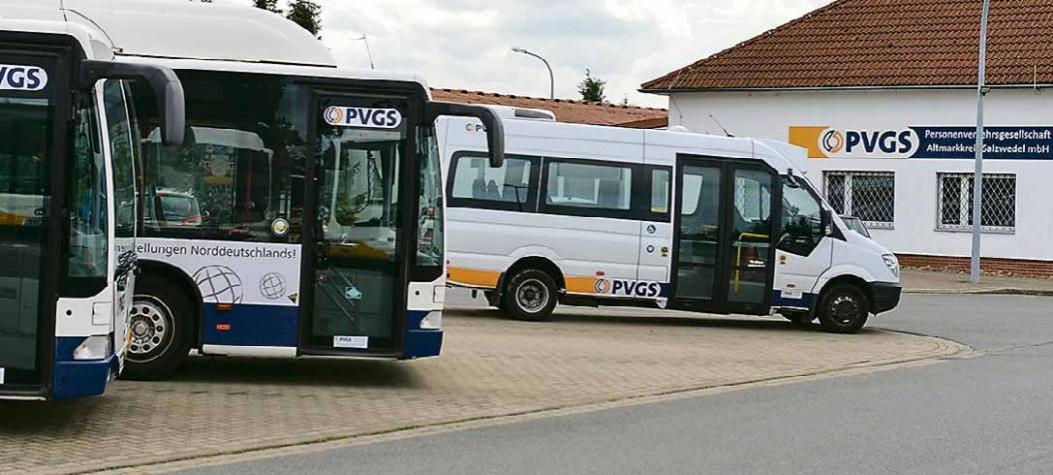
[995, 291]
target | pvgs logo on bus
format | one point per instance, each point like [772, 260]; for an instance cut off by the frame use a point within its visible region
[363, 117]
[831, 142]
[22, 78]
[628, 288]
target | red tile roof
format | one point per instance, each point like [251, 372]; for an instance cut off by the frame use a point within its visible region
[577, 112]
[884, 43]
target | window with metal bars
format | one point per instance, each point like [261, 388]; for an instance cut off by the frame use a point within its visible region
[955, 207]
[869, 196]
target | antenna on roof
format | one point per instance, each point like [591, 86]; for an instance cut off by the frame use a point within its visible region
[721, 126]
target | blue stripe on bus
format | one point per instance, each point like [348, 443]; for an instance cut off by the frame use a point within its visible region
[252, 325]
[420, 343]
[76, 379]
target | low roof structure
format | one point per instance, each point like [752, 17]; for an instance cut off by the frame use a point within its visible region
[576, 112]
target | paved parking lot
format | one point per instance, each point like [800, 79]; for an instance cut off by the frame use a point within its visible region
[491, 367]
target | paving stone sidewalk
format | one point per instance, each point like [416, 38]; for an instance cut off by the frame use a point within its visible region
[491, 367]
[922, 281]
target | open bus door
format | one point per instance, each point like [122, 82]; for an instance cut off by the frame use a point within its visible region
[361, 230]
[725, 221]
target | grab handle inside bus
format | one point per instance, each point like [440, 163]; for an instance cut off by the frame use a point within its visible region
[164, 83]
[495, 129]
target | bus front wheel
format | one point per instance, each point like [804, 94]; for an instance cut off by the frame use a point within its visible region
[530, 295]
[159, 329]
[844, 309]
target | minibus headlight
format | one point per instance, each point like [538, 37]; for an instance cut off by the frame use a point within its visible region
[892, 263]
[433, 321]
[93, 348]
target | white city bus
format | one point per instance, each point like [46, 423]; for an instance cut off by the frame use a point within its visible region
[609, 216]
[303, 216]
[68, 151]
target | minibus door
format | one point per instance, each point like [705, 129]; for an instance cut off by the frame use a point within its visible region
[354, 299]
[34, 109]
[723, 236]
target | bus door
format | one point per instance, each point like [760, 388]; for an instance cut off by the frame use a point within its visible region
[355, 280]
[723, 256]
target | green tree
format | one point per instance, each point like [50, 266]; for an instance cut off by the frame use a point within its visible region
[591, 88]
[307, 14]
[269, 5]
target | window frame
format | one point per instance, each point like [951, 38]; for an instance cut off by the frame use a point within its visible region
[639, 198]
[848, 176]
[532, 199]
[967, 227]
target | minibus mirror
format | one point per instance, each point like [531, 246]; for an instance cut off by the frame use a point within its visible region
[827, 220]
[164, 83]
[495, 129]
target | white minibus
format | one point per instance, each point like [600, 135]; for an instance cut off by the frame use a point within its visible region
[587, 215]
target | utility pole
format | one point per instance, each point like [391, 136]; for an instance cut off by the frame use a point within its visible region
[978, 177]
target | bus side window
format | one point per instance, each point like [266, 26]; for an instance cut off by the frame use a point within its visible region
[474, 179]
[801, 220]
[660, 191]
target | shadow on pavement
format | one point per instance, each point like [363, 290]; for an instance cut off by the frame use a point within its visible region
[774, 323]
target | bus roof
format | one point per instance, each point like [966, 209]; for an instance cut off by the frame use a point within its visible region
[203, 36]
[525, 135]
[44, 16]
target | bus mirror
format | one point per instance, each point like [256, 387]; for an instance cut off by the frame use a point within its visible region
[163, 81]
[495, 130]
[827, 222]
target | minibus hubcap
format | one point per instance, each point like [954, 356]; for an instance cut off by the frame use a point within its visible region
[532, 295]
[845, 308]
[149, 327]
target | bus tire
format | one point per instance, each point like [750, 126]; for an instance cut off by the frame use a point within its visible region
[530, 295]
[844, 309]
[160, 328]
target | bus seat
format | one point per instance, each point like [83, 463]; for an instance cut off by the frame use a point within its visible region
[478, 189]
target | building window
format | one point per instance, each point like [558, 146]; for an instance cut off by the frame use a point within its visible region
[869, 196]
[998, 214]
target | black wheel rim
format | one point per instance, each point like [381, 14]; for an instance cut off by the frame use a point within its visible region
[845, 309]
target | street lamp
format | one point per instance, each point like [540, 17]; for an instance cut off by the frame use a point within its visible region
[365, 40]
[978, 178]
[551, 77]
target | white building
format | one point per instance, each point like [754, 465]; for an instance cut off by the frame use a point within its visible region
[883, 96]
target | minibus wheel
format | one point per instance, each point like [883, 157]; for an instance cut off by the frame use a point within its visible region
[844, 309]
[531, 295]
[159, 329]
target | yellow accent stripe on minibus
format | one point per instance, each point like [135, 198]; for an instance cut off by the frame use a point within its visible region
[474, 278]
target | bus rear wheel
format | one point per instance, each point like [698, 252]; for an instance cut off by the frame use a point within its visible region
[159, 329]
[844, 309]
[530, 295]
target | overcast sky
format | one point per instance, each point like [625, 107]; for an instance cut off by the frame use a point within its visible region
[466, 44]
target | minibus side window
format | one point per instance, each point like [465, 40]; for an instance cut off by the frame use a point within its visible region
[801, 220]
[475, 184]
[660, 191]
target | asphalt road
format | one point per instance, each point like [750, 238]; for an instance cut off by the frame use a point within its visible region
[990, 413]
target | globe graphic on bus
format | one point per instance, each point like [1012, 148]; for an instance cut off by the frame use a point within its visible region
[219, 285]
[273, 286]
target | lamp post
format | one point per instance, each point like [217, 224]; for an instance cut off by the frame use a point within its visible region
[551, 77]
[978, 177]
[369, 51]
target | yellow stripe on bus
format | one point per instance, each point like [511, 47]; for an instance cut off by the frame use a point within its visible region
[474, 278]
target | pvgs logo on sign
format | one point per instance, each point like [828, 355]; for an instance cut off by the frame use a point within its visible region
[22, 78]
[830, 142]
[363, 117]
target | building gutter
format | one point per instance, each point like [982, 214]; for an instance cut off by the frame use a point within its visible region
[843, 88]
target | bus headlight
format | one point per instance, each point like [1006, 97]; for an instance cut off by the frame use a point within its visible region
[433, 321]
[93, 348]
[892, 263]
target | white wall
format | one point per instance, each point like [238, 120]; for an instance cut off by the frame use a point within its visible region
[770, 115]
